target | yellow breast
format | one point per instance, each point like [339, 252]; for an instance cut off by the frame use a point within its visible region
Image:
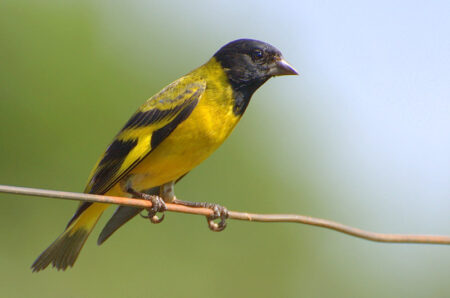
[210, 123]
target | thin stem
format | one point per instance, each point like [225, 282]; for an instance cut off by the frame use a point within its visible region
[328, 224]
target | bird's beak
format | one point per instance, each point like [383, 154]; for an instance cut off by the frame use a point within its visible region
[282, 68]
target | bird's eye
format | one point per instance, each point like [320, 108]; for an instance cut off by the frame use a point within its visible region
[257, 54]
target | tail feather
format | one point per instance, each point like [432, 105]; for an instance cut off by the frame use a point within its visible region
[121, 216]
[63, 252]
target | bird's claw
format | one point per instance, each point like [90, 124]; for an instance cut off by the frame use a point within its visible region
[221, 213]
[158, 205]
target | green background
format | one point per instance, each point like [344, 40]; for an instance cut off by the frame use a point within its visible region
[71, 74]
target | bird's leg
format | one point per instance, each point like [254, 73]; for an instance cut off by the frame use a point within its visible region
[167, 192]
[158, 204]
[220, 212]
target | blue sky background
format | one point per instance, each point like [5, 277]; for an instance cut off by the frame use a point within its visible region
[373, 96]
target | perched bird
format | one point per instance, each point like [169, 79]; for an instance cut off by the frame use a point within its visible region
[170, 134]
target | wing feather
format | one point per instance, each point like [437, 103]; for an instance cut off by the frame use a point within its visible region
[145, 130]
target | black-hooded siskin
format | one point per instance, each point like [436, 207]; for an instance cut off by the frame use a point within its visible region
[170, 134]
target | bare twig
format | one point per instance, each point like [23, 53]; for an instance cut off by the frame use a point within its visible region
[394, 238]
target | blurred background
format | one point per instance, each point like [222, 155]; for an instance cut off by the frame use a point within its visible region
[362, 136]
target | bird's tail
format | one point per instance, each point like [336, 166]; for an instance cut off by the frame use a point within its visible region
[121, 216]
[63, 252]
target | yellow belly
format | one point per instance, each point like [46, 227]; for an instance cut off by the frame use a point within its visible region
[187, 146]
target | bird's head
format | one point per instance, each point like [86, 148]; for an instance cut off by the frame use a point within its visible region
[249, 63]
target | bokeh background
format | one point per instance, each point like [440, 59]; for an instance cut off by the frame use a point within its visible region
[362, 136]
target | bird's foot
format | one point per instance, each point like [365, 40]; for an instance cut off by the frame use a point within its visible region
[158, 205]
[220, 212]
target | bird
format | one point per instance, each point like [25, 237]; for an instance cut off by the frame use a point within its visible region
[169, 135]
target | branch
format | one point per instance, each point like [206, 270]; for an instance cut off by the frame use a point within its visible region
[379, 237]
